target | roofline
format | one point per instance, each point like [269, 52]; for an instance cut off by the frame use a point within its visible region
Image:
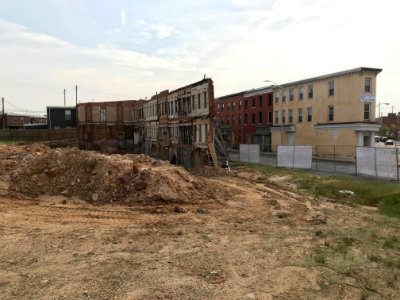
[249, 93]
[331, 75]
[69, 107]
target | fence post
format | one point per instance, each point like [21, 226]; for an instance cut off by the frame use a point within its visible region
[376, 169]
[397, 163]
[294, 149]
[334, 158]
[355, 152]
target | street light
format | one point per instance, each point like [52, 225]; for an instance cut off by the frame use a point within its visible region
[282, 107]
[379, 111]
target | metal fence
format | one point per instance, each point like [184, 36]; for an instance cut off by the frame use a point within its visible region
[338, 159]
[38, 135]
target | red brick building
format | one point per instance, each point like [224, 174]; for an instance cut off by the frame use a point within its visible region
[246, 117]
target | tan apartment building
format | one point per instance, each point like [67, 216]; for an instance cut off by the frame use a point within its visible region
[334, 112]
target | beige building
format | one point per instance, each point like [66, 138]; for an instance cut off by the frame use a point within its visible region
[334, 113]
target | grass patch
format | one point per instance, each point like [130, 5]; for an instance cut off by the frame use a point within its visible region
[320, 256]
[384, 194]
[392, 242]
[390, 205]
[7, 142]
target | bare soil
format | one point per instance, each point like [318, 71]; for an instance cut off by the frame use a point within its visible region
[81, 225]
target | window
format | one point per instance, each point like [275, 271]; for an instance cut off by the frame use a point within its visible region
[276, 117]
[300, 93]
[260, 101]
[67, 115]
[218, 107]
[253, 118]
[245, 118]
[240, 104]
[309, 114]
[367, 108]
[259, 117]
[223, 105]
[310, 91]
[233, 120]
[330, 113]
[253, 102]
[331, 88]
[290, 116]
[300, 115]
[270, 117]
[103, 115]
[198, 101]
[283, 96]
[269, 99]
[245, 104]
[205, 100]
[227, 120]
[228, 106]
[240, 119]
[291, 94]
[283, 116]
[276, 98]
[368, 88]
[233, 105]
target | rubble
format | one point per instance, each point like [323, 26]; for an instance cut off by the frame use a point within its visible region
[131, 179]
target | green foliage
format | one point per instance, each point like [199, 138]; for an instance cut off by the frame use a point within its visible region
[392, 242]
[390, 205]
[388, 131]
[320, 256]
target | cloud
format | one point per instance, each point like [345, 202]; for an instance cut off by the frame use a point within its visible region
[123, 17]
[158, 30]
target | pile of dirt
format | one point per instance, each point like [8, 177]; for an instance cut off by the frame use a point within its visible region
[132, 179]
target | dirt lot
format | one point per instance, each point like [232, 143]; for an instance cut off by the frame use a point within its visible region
[213, 235]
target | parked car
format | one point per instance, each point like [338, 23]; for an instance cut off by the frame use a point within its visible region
[389, 142]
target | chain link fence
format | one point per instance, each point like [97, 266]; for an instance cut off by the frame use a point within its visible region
[332, 159]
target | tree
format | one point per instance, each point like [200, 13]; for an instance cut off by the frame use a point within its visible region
[388, 131]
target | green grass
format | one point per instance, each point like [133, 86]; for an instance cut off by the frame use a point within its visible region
[7, 142]
[390, 205]
[377, 193]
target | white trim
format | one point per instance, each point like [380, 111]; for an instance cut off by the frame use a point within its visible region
[353, 126]
[285, 129]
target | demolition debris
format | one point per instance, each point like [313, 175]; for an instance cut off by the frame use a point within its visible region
[130, 179]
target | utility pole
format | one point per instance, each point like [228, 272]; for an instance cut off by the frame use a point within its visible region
[2, 116]
[64, 97]
[76, 95]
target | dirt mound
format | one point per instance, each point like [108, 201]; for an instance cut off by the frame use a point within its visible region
[132, 179]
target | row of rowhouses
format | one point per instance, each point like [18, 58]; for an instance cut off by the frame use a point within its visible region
[334, 113]
[172, 125]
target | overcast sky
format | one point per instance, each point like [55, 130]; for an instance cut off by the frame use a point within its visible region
[130, 49]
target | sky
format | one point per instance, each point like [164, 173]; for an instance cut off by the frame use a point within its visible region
[131, 49]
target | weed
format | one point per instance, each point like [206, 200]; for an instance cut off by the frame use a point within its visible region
[390, 206]
[320, 256]
[392, 242]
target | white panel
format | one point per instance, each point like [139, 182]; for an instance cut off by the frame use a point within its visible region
[285, 156]
[386, 163]
[303, 157]
[365, 160]
[249, 153]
